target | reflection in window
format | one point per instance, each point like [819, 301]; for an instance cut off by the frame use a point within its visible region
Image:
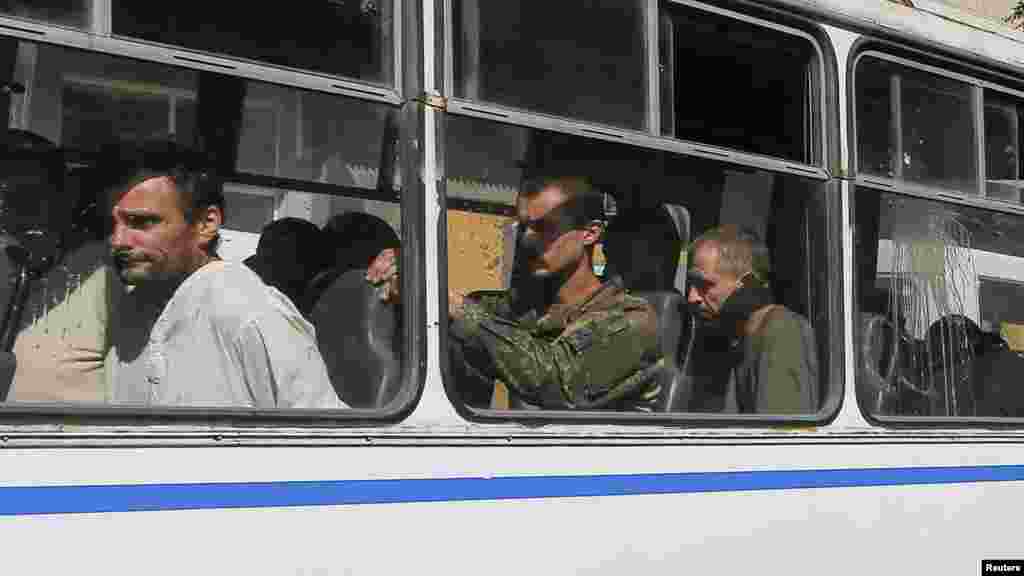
[250, 209]
[574, 58]
[284, 132]
[929, 135]
[1002, 148]
[876, 121]
[744, 59]
[309, 136]
[490, 165]
[97, 112]
[938, 131]
[65, 12]
[304, 205]
[938, 285]
[998, 302]
[348, 38]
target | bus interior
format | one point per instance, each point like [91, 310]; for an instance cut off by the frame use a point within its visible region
[302, 173]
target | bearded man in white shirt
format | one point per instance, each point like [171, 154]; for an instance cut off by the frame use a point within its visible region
[190, 329]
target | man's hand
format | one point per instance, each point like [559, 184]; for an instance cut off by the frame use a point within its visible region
[383, 273]
[455, 304]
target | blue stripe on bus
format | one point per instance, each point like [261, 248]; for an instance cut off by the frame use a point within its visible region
[21, 500]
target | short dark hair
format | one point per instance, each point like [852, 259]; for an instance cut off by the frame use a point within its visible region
[583, 202]
[122, 166]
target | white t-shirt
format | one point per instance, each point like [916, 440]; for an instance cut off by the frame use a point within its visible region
[224, 338]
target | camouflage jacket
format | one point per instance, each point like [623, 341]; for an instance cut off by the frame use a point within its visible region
[598, 354]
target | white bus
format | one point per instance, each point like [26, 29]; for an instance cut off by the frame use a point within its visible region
[876, 146]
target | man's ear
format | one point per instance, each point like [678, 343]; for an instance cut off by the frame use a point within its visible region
[592, 232]
[208, 221]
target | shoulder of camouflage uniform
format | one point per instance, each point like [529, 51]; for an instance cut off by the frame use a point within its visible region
[632, 302]
[491, 300]
[640, 312]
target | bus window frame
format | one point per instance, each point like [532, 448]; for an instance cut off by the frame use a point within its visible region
[820, 145]
[96, 21]
[834, 370]
[828, 127]
[202, 61]
[875, 46]
[103, 26]
[826, 133]
[207, 420]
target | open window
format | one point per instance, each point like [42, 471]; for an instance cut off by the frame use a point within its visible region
[721, 74]
[536, 56]
[1003, 179]
[915, 126]
[311, 186]
[673, 69]
[668, 200]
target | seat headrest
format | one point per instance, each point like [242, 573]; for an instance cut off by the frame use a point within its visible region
[953, 333]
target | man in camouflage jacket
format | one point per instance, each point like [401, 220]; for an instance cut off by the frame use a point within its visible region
[584, 344]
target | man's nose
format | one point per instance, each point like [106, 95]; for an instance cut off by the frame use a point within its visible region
[693, 296]
[118, 236]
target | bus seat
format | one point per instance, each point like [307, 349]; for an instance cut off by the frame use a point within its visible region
[996, 381]
[681, 218]
[642, 245]
[879, 357]
[356, 334]
[952, 345]
[352, 241]
[668, 308]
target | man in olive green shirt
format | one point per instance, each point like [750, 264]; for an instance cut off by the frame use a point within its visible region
[776, 369]
[565, 340]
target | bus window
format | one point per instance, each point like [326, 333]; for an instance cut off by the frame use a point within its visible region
[937, 272]
[713, 64]
[284, 161]
[516, 226]
[1002, 147]
[75, 13]
[915, 126]
[353, 39]
[938, 287]
[573, 58]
